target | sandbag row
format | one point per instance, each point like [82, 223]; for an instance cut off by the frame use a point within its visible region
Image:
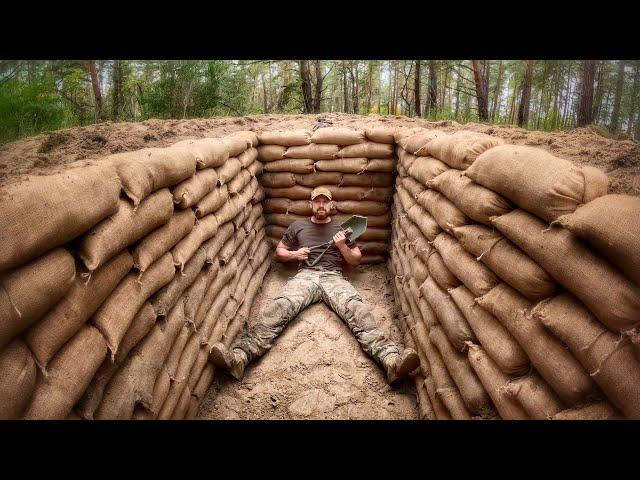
[535, 312]
[114, 269]
[355, 165]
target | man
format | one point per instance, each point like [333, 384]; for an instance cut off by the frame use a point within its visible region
[323, 281]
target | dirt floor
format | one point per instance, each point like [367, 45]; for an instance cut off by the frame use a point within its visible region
[316, 369]
[46, 152]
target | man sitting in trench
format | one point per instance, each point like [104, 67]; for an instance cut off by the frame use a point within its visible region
[323, 281]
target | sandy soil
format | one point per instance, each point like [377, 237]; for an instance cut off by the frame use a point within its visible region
[619, 158]
[316, 369]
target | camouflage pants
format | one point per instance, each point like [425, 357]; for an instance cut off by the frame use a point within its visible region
[307, 287]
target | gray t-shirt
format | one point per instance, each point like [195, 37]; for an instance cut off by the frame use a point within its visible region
[305, 233]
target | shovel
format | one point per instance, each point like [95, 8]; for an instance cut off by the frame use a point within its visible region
[352, 228]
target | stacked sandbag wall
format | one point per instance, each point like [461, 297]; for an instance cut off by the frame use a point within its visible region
[356, 165]
[518, 280]
[117, 277]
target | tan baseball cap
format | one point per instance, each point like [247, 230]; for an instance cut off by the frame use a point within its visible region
[320, 191]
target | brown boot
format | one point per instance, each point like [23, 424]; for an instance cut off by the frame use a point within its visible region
[399, 366]
[232, 361]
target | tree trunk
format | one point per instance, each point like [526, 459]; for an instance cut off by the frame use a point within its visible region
[283, 98]
[117, 79]
[317, 99]
[480, 75]
[95, 84]
[265, 102]
[585, 105]
[615, 116]
[496, 92]
[345, 89]
[525, 99]
[432, 97]
[416, 90]
[634, 95]
[354, 87]
[305, 76]
[599, 91]
[369, 85]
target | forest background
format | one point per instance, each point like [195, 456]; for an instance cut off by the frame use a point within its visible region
[38, 96]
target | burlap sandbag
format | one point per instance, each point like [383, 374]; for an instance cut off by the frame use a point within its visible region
[229, 209]
[115, 315]
[160, 391]
[537, 181]
[506, 260]
[255, 169]
[229, 170]
[452, 321]
[182, 406]
[195, 293]
[44, 212]
[238, 142]
[612, 225]
[344, 165]
[439, 408]
[405, 199]
[18, 379]
[338, 136]
[406, 159]
[64, 320]
[608, 358]
[162, 239]
[366, 150]
[283, 205]
[495, 339]
[287, 138]
[198, 366]
[547, 354]
[475, 276]
[208, 152]
[145, 171]
[312, 180]
[375, 235]
[270, 153]
[412, 186]
[377, 221]
[164, 300]
[125, 227]
[258, 196]
[275, 231]
[313, 151]
[613, 298]
[204, 229]
[296, 192]
[475, 201]
[69, 374]
[216, 311]
[248, 157]
[135, 380]
[291, 166]
[205, 380]
[279, 179]
[442, 210]
[380, 133]
[460, 149]
[27, 292]
[362, 207]
[381, 165]
[191, 190]
[281, 219]
[213, 246]
[601, 410]
[212, 201]
[429, 317]
[376, 194]
[424, 221]
[365, 180]
[493, 380]
[534, 395]
[414, 142]
[402, 133]
[425, 410]
[173, 359]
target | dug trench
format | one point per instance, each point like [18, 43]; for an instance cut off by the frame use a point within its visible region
[521, 302]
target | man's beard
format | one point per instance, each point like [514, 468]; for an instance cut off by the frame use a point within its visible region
[321, 214]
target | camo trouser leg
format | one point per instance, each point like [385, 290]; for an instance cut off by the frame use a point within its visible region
[345, 300]
[298, 293]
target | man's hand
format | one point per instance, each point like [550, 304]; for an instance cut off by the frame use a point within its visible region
[339, 239]
[301, 254]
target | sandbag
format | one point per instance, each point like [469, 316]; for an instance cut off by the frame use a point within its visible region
[229, 209]
[537, 181]
[313, 151]
[412, 186]
[549, 357]
[283, 205]
[602, 410]
[208, 152]
[452, 321]
[495, 339]
[381, 165]
[125, 227]
[29, 291]
[364, 180]
[282, 219]
[173, 359]
[475, 276]
[402, 133]
[375, 235]
[506, 260]
[366, 150]
[279, 179]
[535, 396]
[18, 379]
[424, 221]
[460, 149]
[425, 410]
[215, 243]
[413, 143]
[68, 316]
[188, 192]
[255, 169]
[608, 358]
[162, 239]
[406, 159]
[115, 315]
[248, 157]
[69, 374]
[44, 212]
[475, 201]
[195, 293]
[291, 166]
[405, 198]
[345, 165]
[613, 298]
[611, 224]
[160, 392]
[439, 409]
[380, 133]
[183, 405]
[206, 377]
[229, 170]
[212, 201]
[362, 207]
[442, 210]
[270, 153]
[338, 136]
[204, 229]
[287, 138]
[376, 221]
[149, 169]
[493, 380]
[238, 142]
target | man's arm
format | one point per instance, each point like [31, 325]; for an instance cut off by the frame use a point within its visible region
[353, 256]
[284, 254]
